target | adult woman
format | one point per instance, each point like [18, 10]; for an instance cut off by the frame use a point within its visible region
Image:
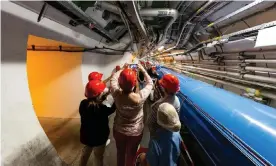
[94, 129]
[170, 85]
[128, 122]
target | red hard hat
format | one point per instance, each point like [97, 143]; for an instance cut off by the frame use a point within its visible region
[118, 68]
[94, 88]
[170, 83]
[127, 79]
[95, 76]
[153, 68]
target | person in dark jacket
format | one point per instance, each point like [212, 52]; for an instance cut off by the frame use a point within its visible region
[94, 130]
[152, 72]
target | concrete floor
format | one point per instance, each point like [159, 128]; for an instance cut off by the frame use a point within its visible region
[64, 135]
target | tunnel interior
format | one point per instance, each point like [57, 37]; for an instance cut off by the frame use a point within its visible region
[222, 52]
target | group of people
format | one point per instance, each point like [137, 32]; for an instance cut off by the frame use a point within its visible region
[129, 94]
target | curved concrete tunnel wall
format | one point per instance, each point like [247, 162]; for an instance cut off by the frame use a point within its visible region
[41, 84]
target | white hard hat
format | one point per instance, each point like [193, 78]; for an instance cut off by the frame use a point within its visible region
[168, 118]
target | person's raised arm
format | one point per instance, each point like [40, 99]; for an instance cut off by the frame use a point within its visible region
[145, 92]
[109, 110]
[114, 84]
[106, 80]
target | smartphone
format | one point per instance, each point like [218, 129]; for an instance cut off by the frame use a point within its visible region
[133, 66]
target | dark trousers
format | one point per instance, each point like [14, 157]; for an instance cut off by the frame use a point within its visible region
[126, 148]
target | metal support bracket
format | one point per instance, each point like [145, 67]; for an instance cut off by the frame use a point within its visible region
[42, 11]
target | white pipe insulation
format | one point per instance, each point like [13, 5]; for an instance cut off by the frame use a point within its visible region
[160, 12]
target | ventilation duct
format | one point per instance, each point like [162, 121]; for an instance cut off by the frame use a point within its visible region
[173, 13]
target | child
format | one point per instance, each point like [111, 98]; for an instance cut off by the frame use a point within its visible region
[94, 129]
[164, 148]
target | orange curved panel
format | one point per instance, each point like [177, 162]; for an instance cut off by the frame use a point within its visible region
[56, 89]
[55, 80]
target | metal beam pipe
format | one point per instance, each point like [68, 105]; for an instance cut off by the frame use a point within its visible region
[247, 68]
[259, 78]
[217, 66]
[191, 28]
[231, 15]
[257, 52]
[230, 78]
[201, 9]
[214, 71]
[108, 6]
[251, 61]
[217, 7]
[185, 25]
[251, 68]
[76, 10]
[123, 17]
[263, 93]
[132, 7]
[189, 33]
[245, 76]
[236, 116]
[260, 60]
[160, 12]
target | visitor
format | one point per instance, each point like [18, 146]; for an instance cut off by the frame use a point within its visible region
[128, 122]
[94, 130]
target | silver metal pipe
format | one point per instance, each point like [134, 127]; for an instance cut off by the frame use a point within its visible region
[252, 61]
[231, 15]
[189, 33]
[250, 68]
[180, 4]
[182, 10]
[187, 22]
[193, 25]
[115, 9]
[217, 66]
[247, 68]
[161, 13]
[260, 60]
[260, 78]
[217, 7]
[213, 71]
[76, 10]
[231, 78]
[202, 8]
[257, 52]
[255, 28]
[132, 7]
[245, 76]
[182, 30]
[263, 93]
[127, 25]
[108, 6]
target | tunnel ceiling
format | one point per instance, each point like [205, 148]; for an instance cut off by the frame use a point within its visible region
[151, 24]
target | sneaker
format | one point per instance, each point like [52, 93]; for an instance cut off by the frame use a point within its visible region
[107, 142]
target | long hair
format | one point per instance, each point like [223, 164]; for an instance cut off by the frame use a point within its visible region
[93, 102]
[96, 101]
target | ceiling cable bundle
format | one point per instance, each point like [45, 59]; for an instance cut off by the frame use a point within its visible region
[69, 49]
